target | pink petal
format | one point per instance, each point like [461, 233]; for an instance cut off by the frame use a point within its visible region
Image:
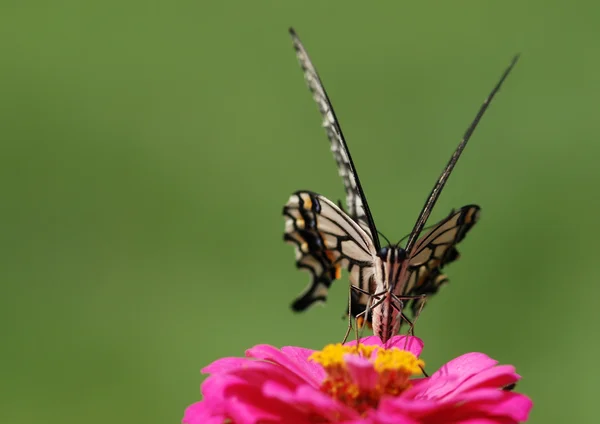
[236, 386]
[217, 387]
[325, 403]
[503, 406]
[391, 416]
[300, 356]
[442, 391]
[254, 373]
[204, 413]
[249, 396]
[224, 365]
[361, 420]
[299, 353]
[241, 397]
[472, 396]
[466, 365]
[410, 343]
[496, 377]
[362, 371]
[451, 375]
[251, 409]
[411, 407]
[512, 405]
[433, 388]
[293, 359]
[309, 402]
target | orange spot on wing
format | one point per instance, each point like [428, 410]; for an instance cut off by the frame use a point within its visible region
[338, 272]
[472, 216]
[360, 321]
[307, 203]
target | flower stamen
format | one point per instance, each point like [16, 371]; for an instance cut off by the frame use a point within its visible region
[360, 375]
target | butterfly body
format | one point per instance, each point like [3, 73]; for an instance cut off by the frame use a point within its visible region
[386, 315]
[384, 281]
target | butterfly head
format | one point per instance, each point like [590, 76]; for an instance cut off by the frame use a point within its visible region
[392, 254]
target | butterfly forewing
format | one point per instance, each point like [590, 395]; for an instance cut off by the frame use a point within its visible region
[433, 247]
[326, 240]
[355, 202]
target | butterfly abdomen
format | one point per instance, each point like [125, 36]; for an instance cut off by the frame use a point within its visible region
[387, 308]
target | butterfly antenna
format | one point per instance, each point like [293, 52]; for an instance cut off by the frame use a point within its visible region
[384, 237]
[406, 236]
[439, 185]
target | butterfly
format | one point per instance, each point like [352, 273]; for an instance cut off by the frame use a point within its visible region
[384, 280]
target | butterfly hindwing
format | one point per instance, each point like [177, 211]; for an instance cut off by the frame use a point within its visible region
[428, 287]
[434, 250]
[326, 240]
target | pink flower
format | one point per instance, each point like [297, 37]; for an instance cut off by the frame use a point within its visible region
[368, 383]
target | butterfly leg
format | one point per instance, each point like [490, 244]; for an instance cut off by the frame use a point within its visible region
[358, 289]
[422, 304]
[399, 299]
[368, 309]
[364, 313]
[349, 314]
[350, 288]
[411, 324]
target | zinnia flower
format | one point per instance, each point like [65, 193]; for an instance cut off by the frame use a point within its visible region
[365, 383]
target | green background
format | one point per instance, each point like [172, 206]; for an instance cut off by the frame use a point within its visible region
[148, 148]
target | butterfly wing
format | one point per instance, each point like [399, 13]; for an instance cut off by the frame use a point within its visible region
[433, 251]
[355, 199]
[326, 240]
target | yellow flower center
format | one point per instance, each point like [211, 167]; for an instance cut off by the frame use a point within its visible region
[390, 373]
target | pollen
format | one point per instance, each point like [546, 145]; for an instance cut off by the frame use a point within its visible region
[398, 360]
[333, 354]
[390, 373]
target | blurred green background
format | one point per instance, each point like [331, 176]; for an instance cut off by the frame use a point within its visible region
[148, 148]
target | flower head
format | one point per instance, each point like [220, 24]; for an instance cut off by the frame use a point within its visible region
[369, 382]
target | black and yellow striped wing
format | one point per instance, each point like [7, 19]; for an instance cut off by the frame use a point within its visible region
[358, 209]
[433, 251]
[326, 240]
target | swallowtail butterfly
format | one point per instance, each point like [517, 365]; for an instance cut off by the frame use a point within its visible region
[327, 238]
